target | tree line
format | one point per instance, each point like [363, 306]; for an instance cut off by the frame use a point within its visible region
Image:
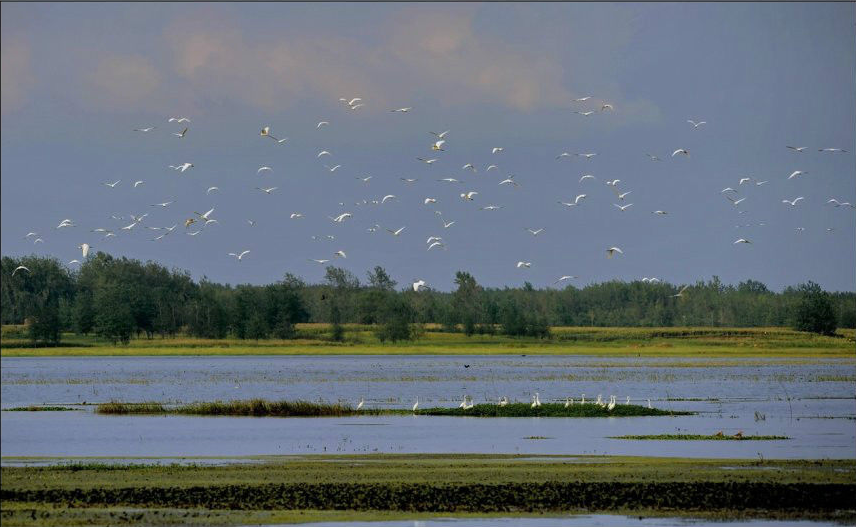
[117, 298]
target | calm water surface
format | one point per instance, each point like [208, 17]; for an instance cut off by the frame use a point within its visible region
[811, 402]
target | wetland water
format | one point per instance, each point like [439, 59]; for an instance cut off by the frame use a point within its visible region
[811, 401]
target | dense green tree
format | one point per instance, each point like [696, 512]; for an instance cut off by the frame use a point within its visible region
[814, 312]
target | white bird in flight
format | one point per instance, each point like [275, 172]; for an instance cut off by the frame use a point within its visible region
[84, 247]
[696, 124]
[418, 284]
[267, 190]
[397, 231]
[565, 277]
[441, 135]
[138, 183]
[509, 180]
[178, 120]
[524, 264]
[612, 250]
[340, 254]
[295, 215]
[430, 200]
[469, 166]
[181, 133]
[681, 292]
[497, 149]
[587, 176]
[741, 240]
[20, 268]
[387, 198]
[535, 232]
[587, 156]
[576, 201]
[427, 161]
[322, 123]
[622, 207]
[489, 167]
[683, 151]
[402, 110]
[210, 189]
[583, 99]
[112, 185]
[794, 202]
[332, 168]
[264, 168]
[468, 196]
[797, 148]
[241, 255]
[439, 145]
[341, 217]
[147, 129]
[841, 150]
[796, 173]
[182, 167]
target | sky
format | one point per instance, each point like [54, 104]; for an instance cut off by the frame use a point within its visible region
[77, 79]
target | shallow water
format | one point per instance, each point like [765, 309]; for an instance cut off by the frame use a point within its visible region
[813, 403]
[593, 520]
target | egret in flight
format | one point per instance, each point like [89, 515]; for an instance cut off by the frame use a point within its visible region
[239, 256]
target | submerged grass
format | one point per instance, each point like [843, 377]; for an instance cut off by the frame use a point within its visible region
[262, 408]
[33, 408]
[697, 437]
[420, 484]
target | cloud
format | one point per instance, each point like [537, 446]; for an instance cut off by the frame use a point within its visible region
[122, 80]
[16, 77]
[436, 54]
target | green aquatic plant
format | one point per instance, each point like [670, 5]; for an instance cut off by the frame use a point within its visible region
[697, 437]
[262, 408]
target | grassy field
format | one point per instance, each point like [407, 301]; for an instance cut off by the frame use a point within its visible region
[289, 489]
[262, 408]
[360, 340]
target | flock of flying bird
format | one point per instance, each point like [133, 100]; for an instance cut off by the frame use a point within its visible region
[196, 223]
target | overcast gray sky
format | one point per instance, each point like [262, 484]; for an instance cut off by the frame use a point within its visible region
[78, 78]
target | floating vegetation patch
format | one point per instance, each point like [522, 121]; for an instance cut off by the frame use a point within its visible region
[262, 408]
[697, 437]
[33, 408]
[537, 437]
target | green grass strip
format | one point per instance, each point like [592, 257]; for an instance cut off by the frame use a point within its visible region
[698, 437]
[262, 408]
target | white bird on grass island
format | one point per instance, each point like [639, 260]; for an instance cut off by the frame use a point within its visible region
[416, 404]
[361, 403]
[239, 256]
